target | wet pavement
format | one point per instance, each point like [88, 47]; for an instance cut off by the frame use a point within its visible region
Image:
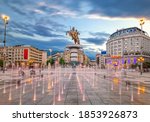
[78, 86]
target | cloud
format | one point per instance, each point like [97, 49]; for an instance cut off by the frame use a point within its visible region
[96, 41]
[37, 11]
[88, 8]
[44, 31]
[102, 8]
[99, 34]
[39, 29]
[43, 23]
[18, 10]
[56, 9]
[117, 8]
[55, 26]
[58, 44]
[98, 38]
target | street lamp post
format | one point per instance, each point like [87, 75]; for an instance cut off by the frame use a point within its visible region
[141, 60]
[5, 19]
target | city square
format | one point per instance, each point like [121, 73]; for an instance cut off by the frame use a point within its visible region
[52, 54]
[75, 86]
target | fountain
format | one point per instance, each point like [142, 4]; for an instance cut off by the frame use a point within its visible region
[4, 88]
[138, 92]
[43, 91]
[20, 99]
[10, 85]
[120, 87]
[59, 84]
[131, 92]
[34, 88]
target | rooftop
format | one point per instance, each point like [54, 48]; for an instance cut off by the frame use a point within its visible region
[127, 31]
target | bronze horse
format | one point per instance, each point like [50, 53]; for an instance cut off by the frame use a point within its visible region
[74, 35]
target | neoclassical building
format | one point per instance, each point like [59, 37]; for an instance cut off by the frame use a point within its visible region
[127, 45]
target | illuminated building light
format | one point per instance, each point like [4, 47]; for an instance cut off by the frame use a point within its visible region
[129, 61]
[135, 60]
[123, 61]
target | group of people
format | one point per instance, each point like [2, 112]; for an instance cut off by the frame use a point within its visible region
[22, 73]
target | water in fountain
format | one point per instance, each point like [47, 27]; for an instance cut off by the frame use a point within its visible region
[4, 87]
[20, 95]
[16, 84]
[54, 86]
[34, 89]
[59, 83]
[112, 85]
[43, 91]
[24, 87]
[120, 87]
[93, 85]
[138, 92]
[10, 94]
[132, 92]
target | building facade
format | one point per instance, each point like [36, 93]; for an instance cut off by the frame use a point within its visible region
[127, 45]
[100, 61]
[23, 55]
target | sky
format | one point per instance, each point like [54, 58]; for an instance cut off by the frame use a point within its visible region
[44, 23]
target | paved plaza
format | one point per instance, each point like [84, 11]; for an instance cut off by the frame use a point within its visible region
[74, 86]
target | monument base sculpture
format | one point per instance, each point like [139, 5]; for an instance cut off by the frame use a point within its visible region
[76, 54]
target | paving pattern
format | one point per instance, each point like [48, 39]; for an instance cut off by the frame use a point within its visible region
[77, 86]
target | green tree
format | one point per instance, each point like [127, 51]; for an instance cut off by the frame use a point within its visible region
[146, 65]
[1, 63]
[51, 61]
[133, 66]
[62, 61]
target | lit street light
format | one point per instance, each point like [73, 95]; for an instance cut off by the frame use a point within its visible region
[5, 19]
[141, 60]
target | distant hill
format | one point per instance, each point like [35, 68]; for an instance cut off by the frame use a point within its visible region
[53, 52]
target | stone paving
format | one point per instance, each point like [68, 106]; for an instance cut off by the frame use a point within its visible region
[80, 86]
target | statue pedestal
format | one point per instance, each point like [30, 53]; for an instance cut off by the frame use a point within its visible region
[77, 46]
[75, 53]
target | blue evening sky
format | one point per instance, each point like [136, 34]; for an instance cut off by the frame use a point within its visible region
[43, 23]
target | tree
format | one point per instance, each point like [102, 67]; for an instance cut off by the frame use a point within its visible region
[51, 61]
[134, 66]
[1, 63]
[62, 61]
[146, 65]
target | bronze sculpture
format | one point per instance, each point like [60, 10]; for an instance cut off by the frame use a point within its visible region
[73, 33]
